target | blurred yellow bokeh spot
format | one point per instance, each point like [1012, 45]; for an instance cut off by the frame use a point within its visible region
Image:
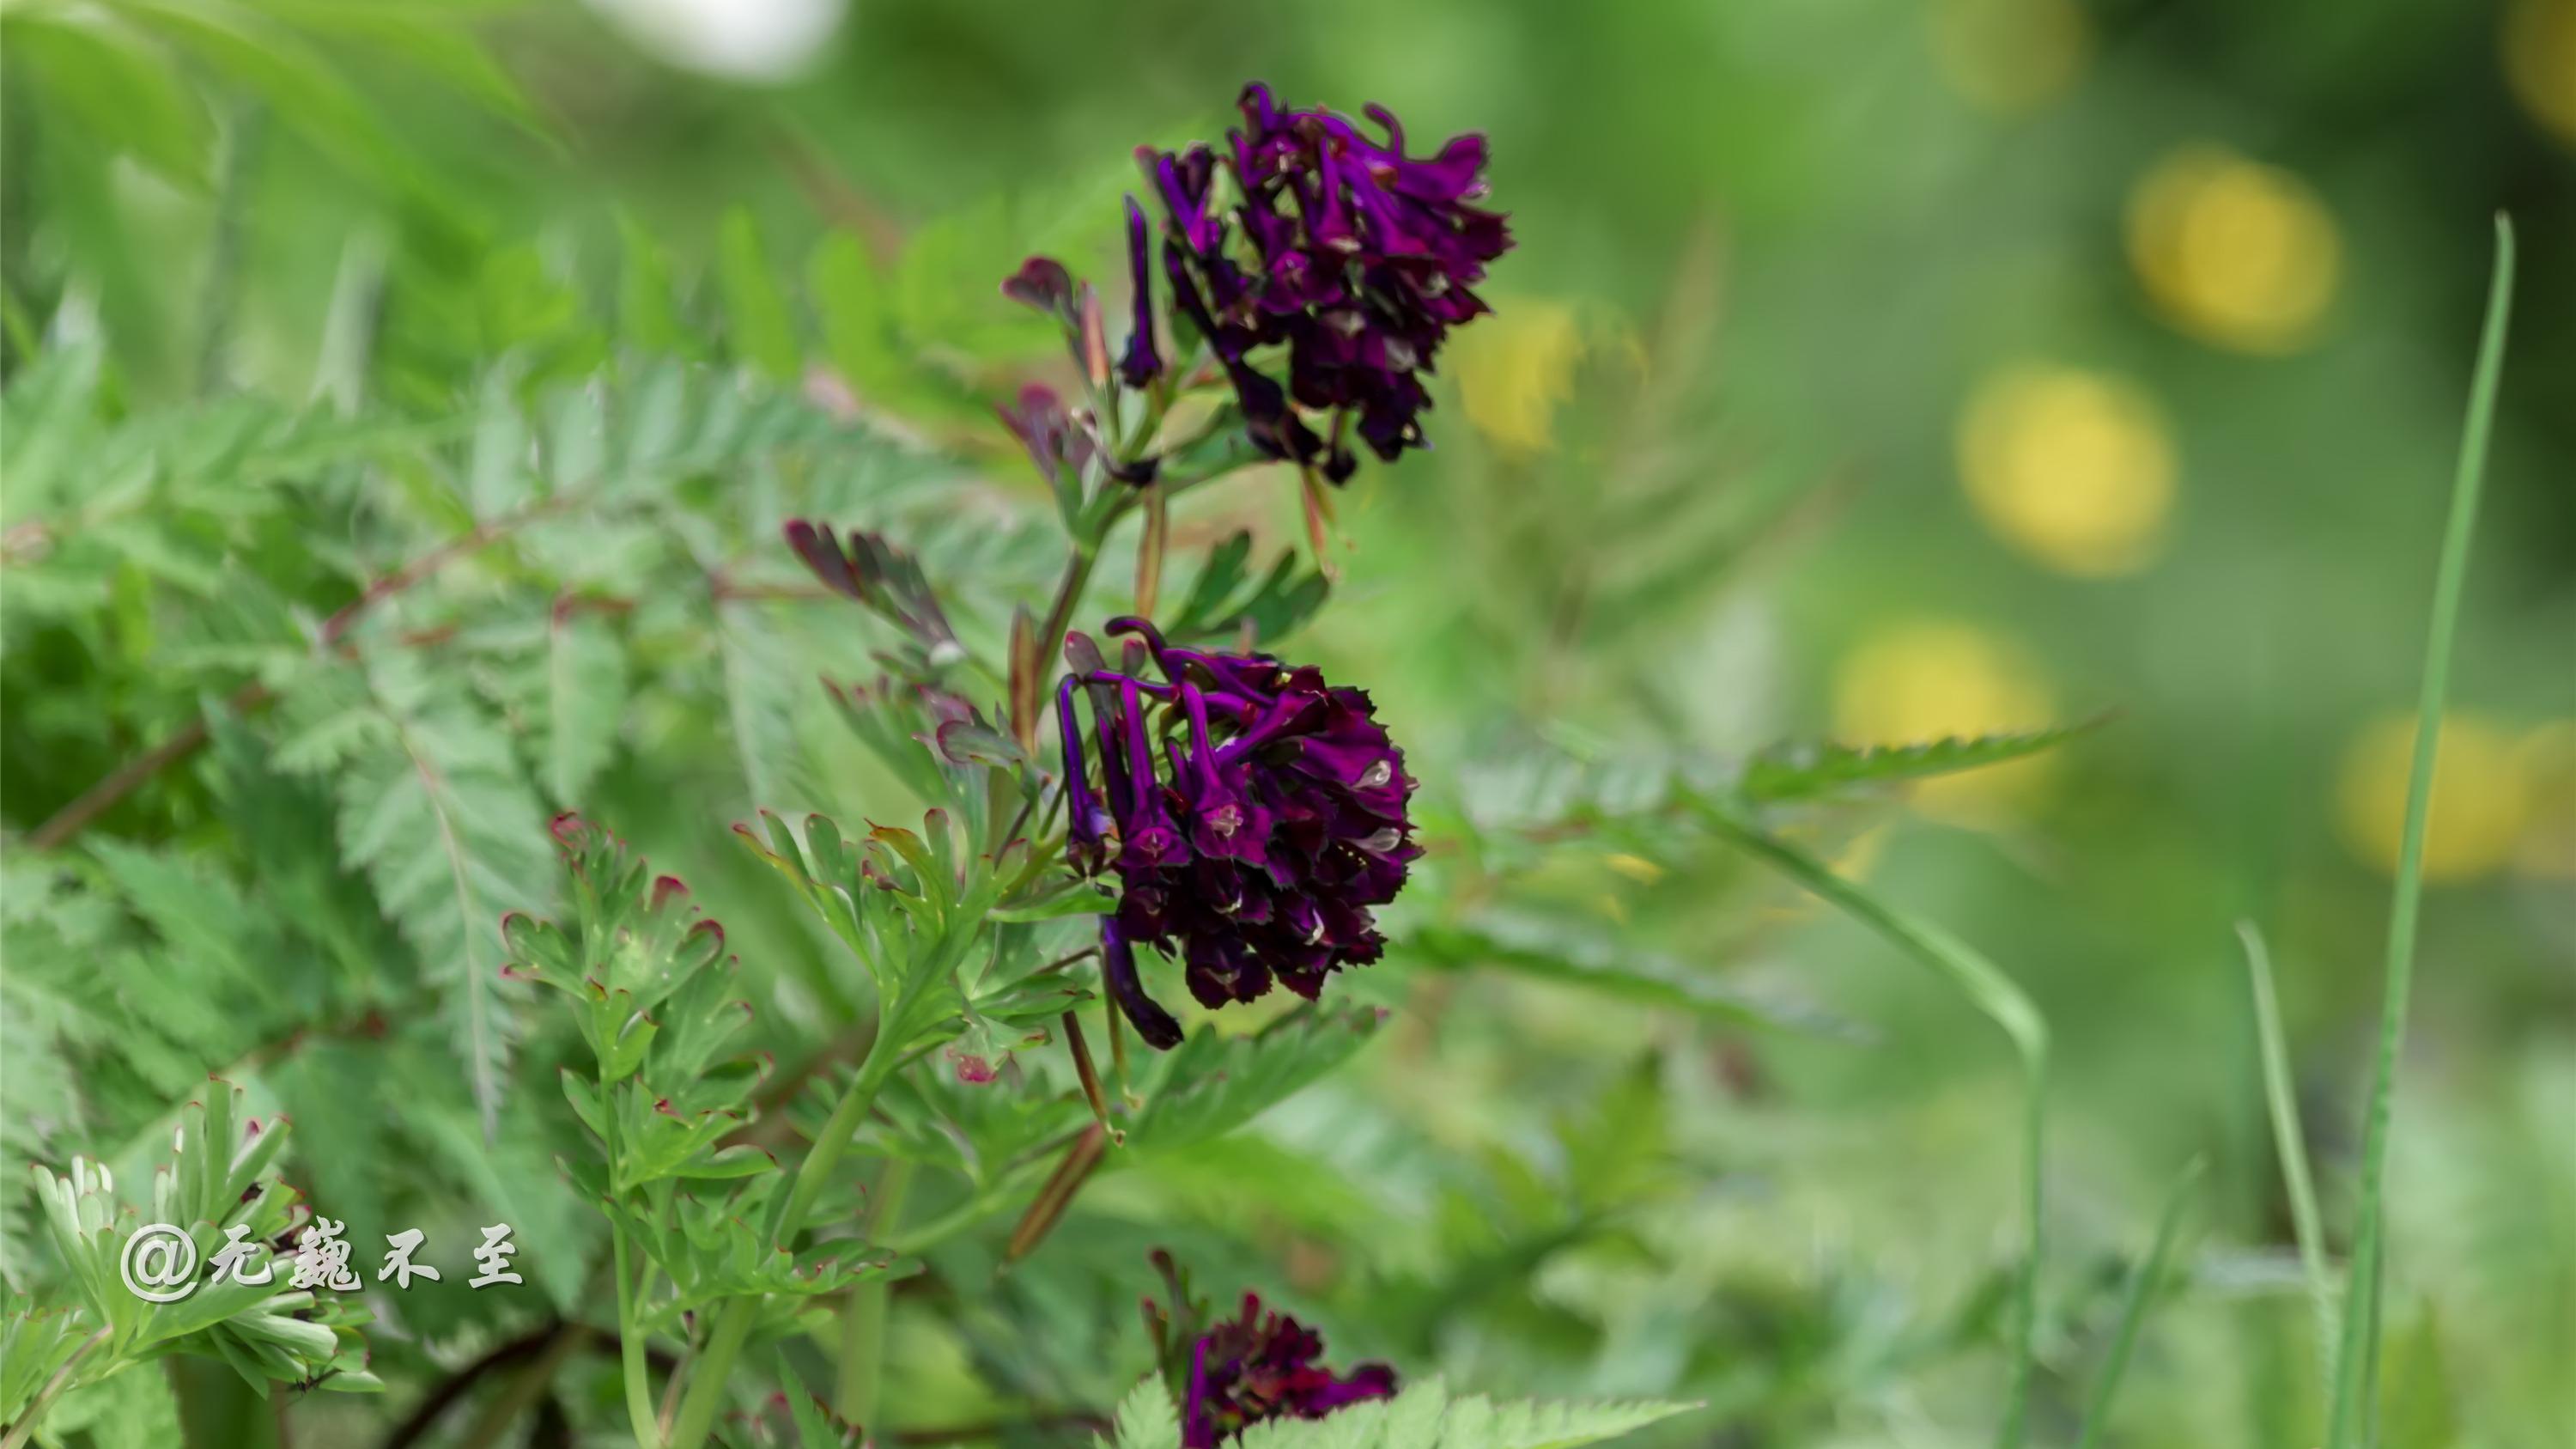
[1635, 867]
[2540, 62]
[2010, 56]
[2546, 757]
[1924, 679]
[2234, 252]
[2072, 468]
[2480, 796]
[1514, 368]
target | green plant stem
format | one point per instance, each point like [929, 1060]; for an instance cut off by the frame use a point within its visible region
[705, 1395]
[2357, 1358]
[630, 1345]
[1991, 992]
[1068, 595]
[863, 1322]
[2141, 1296]
[52, 1390]
[2289, 1138]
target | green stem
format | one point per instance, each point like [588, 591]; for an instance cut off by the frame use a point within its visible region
[1991, 992]
[705, 1395]
[630, 1331]
[2133, 1313]
[1068, 594]
[52, 1390]
[2357, 1360]
[863, 1322]
[819, 1164]
[630, 1346]
[2289, 1139]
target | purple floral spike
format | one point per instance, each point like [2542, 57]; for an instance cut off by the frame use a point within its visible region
[1355, 255]
[1255, 842]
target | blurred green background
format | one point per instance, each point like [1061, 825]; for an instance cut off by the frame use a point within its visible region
[1876, 369]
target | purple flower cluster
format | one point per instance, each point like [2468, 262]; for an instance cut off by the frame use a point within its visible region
[1263, 1366]
[1359, 258]
[1252, 841]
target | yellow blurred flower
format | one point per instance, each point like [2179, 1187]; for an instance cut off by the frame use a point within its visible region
[1514, 367]
[2546, 758]
[2071, 468]
[1635, 867]
[2479, 796]
[2540, 62]
[1923, 679]
[2237, 253]
[2010, 56]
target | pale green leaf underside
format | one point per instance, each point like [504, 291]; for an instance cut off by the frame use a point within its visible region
[1423, 1416]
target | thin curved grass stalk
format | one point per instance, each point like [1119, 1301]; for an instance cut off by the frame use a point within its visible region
[2357, 1357]
[2140, 1297]
[2289, 1138]
[1992, 993]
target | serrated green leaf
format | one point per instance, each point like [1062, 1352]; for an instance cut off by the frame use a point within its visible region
[1790, 773]
[1424, 1416]
[1600, 957]
[1211, 1084]
[1147, 1419]
[585, 700]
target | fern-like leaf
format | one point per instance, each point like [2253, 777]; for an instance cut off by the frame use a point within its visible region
[452, 838]
[1787, 773]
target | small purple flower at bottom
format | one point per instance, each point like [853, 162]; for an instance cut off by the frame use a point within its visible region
[1233, 1373]
[1263, 1365]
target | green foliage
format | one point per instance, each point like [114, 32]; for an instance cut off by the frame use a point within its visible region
[1803, 772]
[1424, 1415]
[1209, 1086]
[1227, 603]
[220, 1177]
[398, 434]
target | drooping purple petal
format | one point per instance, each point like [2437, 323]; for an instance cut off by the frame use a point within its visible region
[1140, 364]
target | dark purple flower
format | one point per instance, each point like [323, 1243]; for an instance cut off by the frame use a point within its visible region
[1356, 256]
[1263, 1365]
[1254, 816]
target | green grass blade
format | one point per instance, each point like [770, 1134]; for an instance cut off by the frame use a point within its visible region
[1991, 992]
[2357, 1358]
[2290, 1139]
[2141, 1296]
